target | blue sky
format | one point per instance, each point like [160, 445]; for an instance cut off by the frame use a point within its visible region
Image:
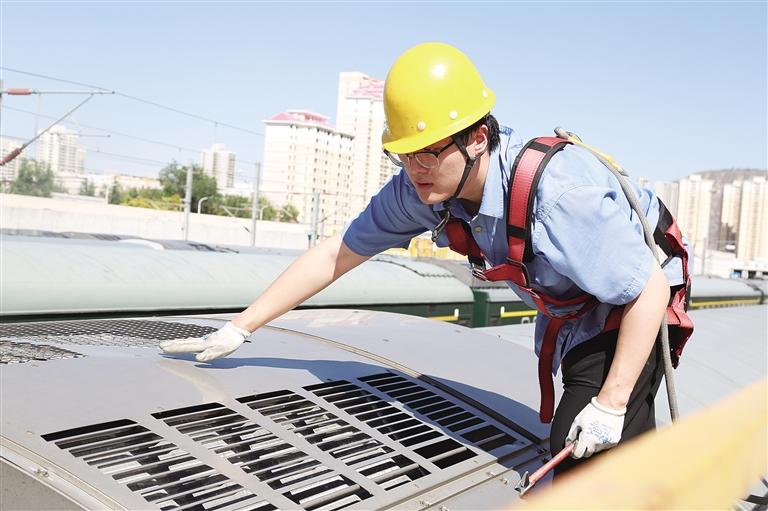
[667, 88]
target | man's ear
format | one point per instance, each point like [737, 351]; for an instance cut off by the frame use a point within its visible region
[479, 140]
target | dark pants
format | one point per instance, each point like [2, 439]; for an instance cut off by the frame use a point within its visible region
[584, 370]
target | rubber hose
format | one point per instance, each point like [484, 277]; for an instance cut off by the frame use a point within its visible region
[663, 338]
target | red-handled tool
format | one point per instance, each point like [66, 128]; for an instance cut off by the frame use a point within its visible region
[527, 482]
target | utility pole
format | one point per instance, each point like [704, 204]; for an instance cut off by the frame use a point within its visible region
[255, 206]
[315, 218]
[188, 201]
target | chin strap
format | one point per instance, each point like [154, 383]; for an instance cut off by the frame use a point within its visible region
[445, 213]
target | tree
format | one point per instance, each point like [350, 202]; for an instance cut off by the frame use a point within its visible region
[236, 205]
[289, 213]
[88, 188]
[34, 178]
[116, 193]
[173, 179]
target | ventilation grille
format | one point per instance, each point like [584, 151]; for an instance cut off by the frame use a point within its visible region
[21, 352]
[154, 468]
[260, 453]
[335, 436]
[133, 333]
[445, 413]
[404, 428]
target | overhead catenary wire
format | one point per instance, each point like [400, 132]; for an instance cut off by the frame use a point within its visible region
[13, 154]
[120, 134]
[135, 98]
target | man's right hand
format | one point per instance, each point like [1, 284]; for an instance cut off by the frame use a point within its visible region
[211, 346]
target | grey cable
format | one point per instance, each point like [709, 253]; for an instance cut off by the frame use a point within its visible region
[663, 338]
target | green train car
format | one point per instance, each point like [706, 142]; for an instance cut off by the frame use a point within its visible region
[81, 275]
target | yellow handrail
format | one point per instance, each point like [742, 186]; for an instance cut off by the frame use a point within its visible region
[706, 461]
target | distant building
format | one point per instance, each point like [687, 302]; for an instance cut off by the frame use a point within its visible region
[668, 192]
[360, 112]
[219, 163]
[303, 155]
[10, 170]
[730, 213]
[59, 147]
[693, 208]
[752, 241]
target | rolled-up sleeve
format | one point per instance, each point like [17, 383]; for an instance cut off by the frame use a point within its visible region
[390, 220]
[586, 236]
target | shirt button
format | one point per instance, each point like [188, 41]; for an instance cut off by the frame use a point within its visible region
[478, 229]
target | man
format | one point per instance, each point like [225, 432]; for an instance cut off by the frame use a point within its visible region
[455, 159]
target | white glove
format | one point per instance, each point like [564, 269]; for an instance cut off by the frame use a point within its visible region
[211, 346]
[595, 429]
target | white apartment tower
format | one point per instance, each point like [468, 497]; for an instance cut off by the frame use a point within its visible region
[752, 241]
[668, 192]
[729, 216]
[360, 111]
[693, 208]
[219, 163]
[60, 149]
[303, 155]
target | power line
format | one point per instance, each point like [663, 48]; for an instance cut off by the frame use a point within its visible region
[134, 137]
[135, 98]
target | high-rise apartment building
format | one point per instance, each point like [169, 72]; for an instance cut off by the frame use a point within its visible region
[668, 192]
[304, 155]
[693, 208]
[730, 213]
[59, 147]
[219, 163]
[752, 241]
[360, 112]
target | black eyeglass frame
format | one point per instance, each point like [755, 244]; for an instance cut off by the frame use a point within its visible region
[435, 153]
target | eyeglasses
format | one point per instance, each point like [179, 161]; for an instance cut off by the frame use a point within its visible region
[426, 158]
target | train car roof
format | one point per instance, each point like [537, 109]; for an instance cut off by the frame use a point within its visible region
[44, 275]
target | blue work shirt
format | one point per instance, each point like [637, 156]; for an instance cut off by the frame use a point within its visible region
[584, 235]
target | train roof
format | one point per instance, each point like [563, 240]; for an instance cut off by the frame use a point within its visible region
[319, 410]
[69, 275]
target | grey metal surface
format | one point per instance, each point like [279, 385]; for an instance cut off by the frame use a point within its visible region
[714, 287]
[727, 352]
[51, 275]
[289, 421]
[23, 492]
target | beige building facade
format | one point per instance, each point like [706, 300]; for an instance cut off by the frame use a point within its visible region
[60, 148]
[219, 163]
[360, 112]
[305, 157]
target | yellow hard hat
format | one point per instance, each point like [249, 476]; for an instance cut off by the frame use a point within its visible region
[432, 91]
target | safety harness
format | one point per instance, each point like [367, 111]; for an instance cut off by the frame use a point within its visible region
[525, 174]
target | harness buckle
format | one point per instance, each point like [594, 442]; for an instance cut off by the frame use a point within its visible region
[524, 271]
[479, 273]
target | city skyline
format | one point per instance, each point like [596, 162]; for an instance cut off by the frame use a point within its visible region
[689, 98]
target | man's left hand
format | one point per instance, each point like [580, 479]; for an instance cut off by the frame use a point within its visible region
[595, 428]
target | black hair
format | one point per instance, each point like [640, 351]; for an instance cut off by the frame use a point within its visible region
[493, 131]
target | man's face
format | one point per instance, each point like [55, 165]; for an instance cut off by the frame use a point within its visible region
[435, 185]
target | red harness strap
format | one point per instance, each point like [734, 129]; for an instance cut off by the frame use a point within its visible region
[526, 172]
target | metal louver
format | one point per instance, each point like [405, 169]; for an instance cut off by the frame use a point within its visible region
[135, 333]
[21, 352]
[404, 428]
[447, 414]
[272, 460]
[155, 468]
[328, 432]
